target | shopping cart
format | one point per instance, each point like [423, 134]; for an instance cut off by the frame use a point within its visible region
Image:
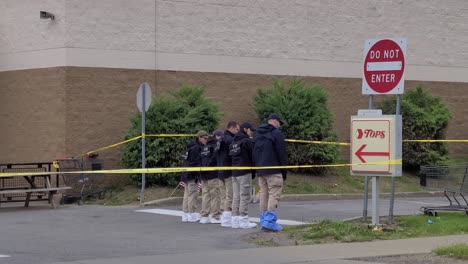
[83, 185]
[452, 180]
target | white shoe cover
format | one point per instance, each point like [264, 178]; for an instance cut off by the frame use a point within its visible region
[245, 223]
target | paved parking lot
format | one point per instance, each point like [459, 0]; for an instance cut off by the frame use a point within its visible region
[71, 233]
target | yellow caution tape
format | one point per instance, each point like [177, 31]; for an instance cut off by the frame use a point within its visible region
[113, 145]
[317, 142]
[287, 140]
[171, 135]
[135, 138]
[190, 169]
[193, 135]
[437, 140]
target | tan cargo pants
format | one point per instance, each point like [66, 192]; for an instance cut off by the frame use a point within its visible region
[211, 199]
[226, 194]
[189, 204]
[241, 192]
[271, 187]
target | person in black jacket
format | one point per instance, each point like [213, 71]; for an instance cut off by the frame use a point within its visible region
[224, 160]
[240, 151]
[211, 212]
[190, 179]
[270, 150]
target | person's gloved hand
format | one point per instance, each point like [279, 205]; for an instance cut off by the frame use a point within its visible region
[183, 177]
[217, 146]
[284, 173]
[221, 176]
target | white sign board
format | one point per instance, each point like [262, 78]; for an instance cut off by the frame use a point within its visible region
[144, 92]
[369, 112]
[384, 66]
[376, 145]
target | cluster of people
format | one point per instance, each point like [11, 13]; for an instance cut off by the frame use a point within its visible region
[226, 193]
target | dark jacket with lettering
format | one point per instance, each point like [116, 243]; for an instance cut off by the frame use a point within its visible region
[208, 159]
[240, 151]
[192, 158]
[269, 149]
[223, 158]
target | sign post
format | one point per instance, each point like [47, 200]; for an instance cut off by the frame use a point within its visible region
[143, 103]
[383, 73]
[375, 149]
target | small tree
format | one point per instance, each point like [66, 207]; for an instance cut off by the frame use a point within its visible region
[307, 117]
[424, 117]
[184, 111]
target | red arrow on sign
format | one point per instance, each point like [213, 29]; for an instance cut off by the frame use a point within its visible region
[360, 153]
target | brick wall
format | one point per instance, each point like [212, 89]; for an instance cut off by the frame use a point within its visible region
[47, 113]
[32, 114]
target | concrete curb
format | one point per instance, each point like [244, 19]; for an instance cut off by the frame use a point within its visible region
[310, 197]
[351, 196]
[164, 201]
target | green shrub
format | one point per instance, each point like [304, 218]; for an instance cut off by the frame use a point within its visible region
[307, 117]
[181, 112]
[424, 117]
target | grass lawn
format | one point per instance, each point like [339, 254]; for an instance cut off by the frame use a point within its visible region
[405, 227]
[338, 180]
[459, 251]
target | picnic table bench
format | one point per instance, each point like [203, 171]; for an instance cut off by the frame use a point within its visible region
[29, 187]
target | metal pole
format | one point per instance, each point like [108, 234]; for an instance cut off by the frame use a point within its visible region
[366, 178]
[392, 194]
[375, 200]
[143, 145]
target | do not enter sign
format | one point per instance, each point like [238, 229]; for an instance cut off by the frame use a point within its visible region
[384, 66]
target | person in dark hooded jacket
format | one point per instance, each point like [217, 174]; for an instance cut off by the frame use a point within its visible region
[270, 150]
[240, 151]
[190, 179]
[211, 212]
[224, 160]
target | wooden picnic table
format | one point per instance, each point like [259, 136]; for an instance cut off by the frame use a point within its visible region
[28, 188]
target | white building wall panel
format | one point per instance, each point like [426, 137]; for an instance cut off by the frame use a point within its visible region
[314, 30]
[22, 30]
[127, 25]
[302, 37]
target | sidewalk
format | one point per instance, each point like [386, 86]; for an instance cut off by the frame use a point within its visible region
[338, 253]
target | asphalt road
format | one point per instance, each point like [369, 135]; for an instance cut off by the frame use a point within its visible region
[71, 233]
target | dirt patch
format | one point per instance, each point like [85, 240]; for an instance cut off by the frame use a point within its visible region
[270, 239]
[413, 259]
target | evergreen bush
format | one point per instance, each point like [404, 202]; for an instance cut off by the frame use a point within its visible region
[424, 117]
[307, 117]
[185, 111]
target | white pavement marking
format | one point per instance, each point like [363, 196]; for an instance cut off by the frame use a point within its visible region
[428, 203]
[5, 256]
[162, 211]
[179, 213]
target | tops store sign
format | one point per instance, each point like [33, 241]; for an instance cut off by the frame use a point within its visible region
[384, 66]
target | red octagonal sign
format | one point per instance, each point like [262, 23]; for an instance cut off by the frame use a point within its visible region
[384, 66]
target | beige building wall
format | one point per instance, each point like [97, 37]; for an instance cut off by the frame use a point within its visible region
[87, 64]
